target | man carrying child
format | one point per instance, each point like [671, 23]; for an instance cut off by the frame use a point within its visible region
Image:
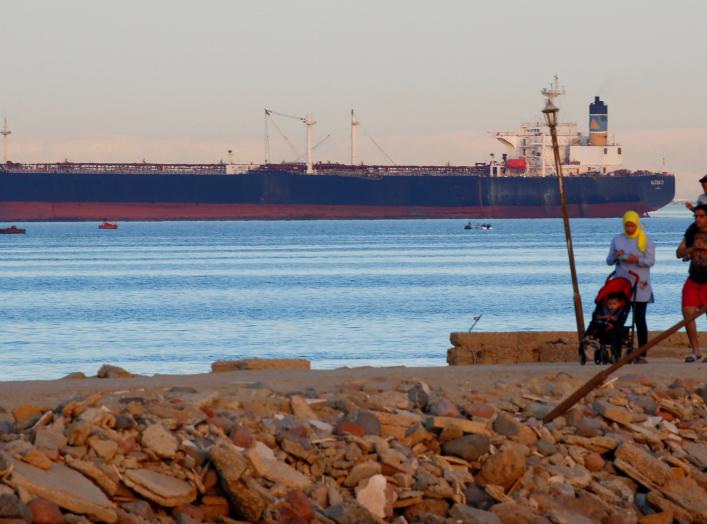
[694, 291]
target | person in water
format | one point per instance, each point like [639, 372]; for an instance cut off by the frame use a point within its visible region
[633, 251]
[694, 292]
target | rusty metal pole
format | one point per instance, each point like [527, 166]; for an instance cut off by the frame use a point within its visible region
[550, 112]
[600, 377]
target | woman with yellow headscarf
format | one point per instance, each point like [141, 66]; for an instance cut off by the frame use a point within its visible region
[634, 252]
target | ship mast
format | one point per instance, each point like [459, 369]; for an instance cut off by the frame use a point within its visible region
[354, 125]
[309, 122]
[5, 133]
[551, 93]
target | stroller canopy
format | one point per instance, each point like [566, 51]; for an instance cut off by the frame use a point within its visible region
[615, 286]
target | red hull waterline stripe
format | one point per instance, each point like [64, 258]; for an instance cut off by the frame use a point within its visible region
[40, 211]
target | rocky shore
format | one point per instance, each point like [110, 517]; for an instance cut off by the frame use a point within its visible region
[443, 445]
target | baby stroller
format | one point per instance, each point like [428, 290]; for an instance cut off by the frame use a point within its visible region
[607, 333]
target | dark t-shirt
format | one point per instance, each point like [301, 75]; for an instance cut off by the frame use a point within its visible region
[698, 265]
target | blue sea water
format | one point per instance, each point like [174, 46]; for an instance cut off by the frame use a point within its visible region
[171, 297]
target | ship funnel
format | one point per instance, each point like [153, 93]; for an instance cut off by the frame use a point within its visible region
[598, 122]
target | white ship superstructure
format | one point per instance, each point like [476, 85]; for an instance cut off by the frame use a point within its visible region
[530, 147]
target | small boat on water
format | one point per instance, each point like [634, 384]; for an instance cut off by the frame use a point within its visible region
[468, 225]
[108, 225]
[12, 230]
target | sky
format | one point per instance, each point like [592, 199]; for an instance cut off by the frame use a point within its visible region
[184, 81]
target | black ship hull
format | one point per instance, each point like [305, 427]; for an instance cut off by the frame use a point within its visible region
[282, 194]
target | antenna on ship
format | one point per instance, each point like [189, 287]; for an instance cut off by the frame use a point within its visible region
[354, 125]
[5, 133]
[266, 137]
[555, 90]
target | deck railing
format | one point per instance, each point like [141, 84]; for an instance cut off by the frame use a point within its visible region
[295, 168]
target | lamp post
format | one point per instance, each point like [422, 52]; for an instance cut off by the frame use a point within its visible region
[550, 112]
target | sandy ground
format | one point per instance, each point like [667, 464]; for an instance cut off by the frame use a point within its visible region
[457, 379]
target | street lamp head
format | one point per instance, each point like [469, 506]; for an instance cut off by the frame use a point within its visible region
[550, 112]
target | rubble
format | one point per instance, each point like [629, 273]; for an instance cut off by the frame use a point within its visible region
[390, 451]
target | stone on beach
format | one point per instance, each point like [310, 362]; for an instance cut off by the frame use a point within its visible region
[260, 364]
[469, 447]
[11, 507]
[505, 467]
[471, 515]
[301, 409]
[75, 375]
[95, 472]
[362, 471]
[64, 486]
[165, 490]
[159, 440]
[52, 441]
[276, 471]
[613, 413]
[26, 415]
[109, 371]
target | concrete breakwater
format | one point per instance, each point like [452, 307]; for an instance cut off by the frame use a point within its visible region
[540, 346]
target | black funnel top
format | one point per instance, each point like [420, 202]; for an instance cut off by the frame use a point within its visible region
[598, 107]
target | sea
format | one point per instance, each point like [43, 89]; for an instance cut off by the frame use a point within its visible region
[172, 297]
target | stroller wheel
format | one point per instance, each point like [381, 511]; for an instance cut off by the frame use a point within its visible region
[601, 356]
[598, 357]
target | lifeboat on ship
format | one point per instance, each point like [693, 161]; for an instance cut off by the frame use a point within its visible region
[516, 164]
[108, 225]
[12, 230]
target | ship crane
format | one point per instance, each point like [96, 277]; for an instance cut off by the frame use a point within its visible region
[307, 120]
[355, 123]
[5, 133]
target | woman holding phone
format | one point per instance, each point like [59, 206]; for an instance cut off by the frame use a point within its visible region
[633, 251]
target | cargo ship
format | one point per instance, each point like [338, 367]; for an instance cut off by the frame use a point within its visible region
[521, 183]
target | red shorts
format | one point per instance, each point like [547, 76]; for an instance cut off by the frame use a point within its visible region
[694, 294]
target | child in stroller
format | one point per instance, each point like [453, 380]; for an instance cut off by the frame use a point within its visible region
[606, 330]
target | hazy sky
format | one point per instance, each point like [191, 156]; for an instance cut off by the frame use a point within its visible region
[178, 81]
